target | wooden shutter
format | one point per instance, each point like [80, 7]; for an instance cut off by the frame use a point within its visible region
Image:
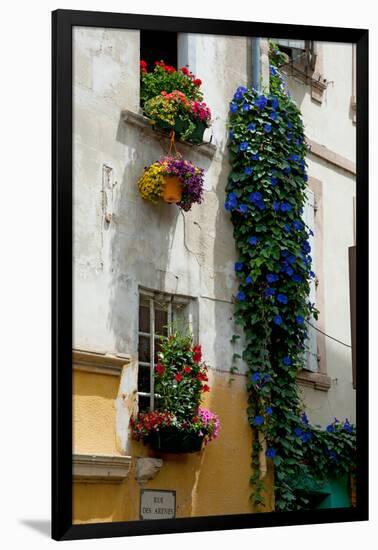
[352, 294]
[311, 342]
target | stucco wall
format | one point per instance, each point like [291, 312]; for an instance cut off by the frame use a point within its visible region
[330, 123]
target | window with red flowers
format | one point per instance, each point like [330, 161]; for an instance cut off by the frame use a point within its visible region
[158, 313]
[158, 46]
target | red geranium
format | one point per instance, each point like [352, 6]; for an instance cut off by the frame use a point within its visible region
[205, 388]
[197, 82]
[184, 70]
[178, 377]
[187, 369]
[197, 353]
[143, 66]
[160, 369]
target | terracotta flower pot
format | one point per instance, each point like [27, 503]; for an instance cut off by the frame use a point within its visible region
[172, 191]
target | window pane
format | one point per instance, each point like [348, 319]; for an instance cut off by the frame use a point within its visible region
[144, 349]
[143, 403]
[161, 321]
[144, 319]
[158, 343]
[144, 379]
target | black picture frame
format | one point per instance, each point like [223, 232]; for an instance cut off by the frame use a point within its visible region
[62, 23]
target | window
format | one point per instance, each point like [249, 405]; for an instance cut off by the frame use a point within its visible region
[157, 46]
[158, 312]
[312, 359]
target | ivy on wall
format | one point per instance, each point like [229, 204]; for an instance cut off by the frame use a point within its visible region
[266, 193]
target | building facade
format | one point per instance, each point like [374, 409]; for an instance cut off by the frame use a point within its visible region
[138, 266]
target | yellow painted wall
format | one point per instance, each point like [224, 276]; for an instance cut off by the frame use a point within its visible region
[212, 482]
[94, 413]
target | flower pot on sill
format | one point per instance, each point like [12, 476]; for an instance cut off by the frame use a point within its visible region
[172, 191]
[196, 136]
[171, 440]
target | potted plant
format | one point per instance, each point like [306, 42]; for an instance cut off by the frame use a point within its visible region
[189, 119]
[174, 180]
[171, 99]
[179, 424]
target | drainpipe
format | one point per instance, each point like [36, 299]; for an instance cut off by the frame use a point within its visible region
[256, 63]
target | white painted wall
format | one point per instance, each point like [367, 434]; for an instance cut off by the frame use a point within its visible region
[193, 253]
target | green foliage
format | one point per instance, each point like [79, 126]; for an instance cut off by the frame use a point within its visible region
[266, 193]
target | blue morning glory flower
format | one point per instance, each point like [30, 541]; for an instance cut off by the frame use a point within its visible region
[251, 126]
[285, 253]
[255, 197]
[312, 275]
[239, 266]
[258, 420]
[298, 225]
[269, 292]
[243, 208]
[289, 125]
[248, 170]
[274, 102]
[273, 115]
[271, 453]
[276, 206]
[299, 319]
[267, 128]
[306, 246]
[298, 432]
[295, 158]
[277, 319]
[289, 271]
[306, 436]
[347, 427]
[330, 428]
[243, 146]
[231, 135]
[241, 296]
[296, 278]
[255, 156]
[256, 377]
[332, 455]
[282, 298]
[304, 418]
[305, 177]
[273, 70]
[286, 361]
[287, 170]
[246, 107]
[231, 202]
[272, 277]
[285, 207]
[233, 107]
[287, 228]
[273, 181]
[253, 240]
[291, 259]
[269, 410]
[261, 102]
[248, 279]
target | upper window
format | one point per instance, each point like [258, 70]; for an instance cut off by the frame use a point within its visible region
[158, 312]
[300, 53]
[158, 46]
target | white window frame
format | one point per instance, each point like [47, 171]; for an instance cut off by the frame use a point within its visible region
[171, 300]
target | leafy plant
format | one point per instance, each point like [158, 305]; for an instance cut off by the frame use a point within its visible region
[266, 193]
[180, 381]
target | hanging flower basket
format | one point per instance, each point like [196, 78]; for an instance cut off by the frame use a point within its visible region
[174, 180]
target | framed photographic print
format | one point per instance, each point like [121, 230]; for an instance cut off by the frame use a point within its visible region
[210, 241]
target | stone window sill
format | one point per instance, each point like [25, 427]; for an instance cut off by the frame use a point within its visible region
[143, 123]
[88, 468]
[314, 380]
[99, 363]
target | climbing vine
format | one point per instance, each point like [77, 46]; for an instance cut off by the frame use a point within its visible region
[266, 194]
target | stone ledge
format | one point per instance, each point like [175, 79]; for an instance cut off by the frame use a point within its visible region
[88, 468]
[326, 154]
[143, 123]
[314, 380]
[99, 363]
